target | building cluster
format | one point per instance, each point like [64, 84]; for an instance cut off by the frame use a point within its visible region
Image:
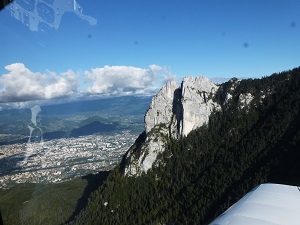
[61, 159]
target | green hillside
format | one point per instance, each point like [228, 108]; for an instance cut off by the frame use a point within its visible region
[47, 203]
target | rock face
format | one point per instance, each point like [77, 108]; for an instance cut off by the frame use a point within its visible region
[197, 102]
[161, 107]
[245, 99]
[173, 113]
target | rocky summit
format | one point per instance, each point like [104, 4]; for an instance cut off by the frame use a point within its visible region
[173, 113]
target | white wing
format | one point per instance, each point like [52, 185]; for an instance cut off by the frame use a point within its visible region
[267, 204]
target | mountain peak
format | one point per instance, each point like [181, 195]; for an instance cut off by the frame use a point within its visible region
[173, 113]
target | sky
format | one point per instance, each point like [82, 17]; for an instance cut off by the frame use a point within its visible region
[66, 49]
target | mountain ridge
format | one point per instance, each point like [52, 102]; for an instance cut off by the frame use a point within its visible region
[253, 139]
[176, 111]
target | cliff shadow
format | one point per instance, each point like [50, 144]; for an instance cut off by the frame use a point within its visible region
[94, 181]
[177, 109]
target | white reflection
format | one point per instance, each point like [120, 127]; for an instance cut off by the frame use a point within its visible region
[34, 128]
[35, 133]
[44, 15]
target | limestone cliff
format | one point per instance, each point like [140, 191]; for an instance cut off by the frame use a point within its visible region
[173, 113]
[197, 102]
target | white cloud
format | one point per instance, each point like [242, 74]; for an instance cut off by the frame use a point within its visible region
[155, 67]
[20, 84]
[120, 80]
[20, 87]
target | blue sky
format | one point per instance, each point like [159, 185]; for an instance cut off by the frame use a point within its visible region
[155, 40]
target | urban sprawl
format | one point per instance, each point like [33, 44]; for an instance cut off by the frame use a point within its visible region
[61, 159]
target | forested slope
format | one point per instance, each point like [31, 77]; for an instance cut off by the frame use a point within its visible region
[202, 174]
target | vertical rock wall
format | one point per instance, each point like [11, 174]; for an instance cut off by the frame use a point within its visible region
[173, 113]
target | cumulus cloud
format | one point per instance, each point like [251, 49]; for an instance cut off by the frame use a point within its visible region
[120, 80]
[20, 84]
[21, 87]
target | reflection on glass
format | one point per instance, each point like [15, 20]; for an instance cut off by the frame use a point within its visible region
[36, 133]
[44, 15]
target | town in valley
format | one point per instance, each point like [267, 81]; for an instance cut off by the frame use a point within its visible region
[62, 159]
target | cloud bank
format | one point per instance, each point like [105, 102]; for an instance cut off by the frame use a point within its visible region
[21, 85]
[120, 80]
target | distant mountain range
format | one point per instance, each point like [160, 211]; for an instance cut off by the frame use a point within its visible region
[127, 105]
[92, 128]
[74, 119]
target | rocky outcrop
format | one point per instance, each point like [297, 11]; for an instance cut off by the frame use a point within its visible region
[245, 99]
[161, 107]
[173, 113]
[177, 110]
[197, 102]
[182, 109]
